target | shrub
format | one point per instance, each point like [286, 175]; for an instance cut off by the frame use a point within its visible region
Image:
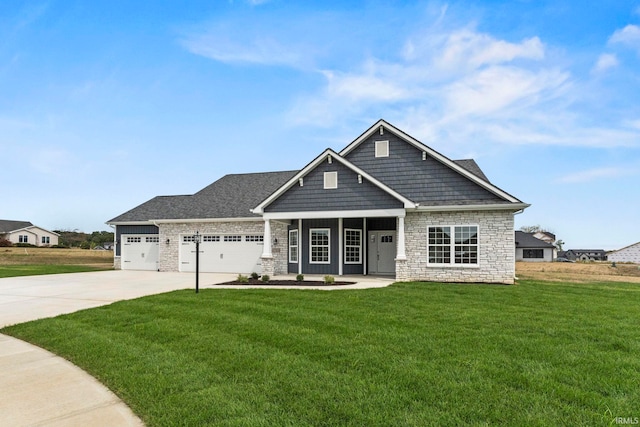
[4, 243]
[265, 278]
[329, 280]
[243, 279]
[254, 276]
[300, 278]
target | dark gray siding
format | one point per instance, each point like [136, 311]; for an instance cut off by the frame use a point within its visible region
[350, 195]
[355, 223]
[309, 268]
[427, 182]
[133, 229]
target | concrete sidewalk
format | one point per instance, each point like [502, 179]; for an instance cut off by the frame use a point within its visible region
[42, 389]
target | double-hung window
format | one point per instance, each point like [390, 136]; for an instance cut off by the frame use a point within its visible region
[352, 246]
[23, 239]
[453, 245]
[319, 247]
[293, 246]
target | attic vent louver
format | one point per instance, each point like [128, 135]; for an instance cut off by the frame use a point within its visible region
[329, 159]
[382, 149]
[381, 130]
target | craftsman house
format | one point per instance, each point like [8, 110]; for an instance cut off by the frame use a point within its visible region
[386, 204]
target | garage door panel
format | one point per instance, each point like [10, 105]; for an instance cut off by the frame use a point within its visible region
[223, 254]
[139, 252]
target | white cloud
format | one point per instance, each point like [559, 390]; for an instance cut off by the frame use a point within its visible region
[468, 48]
[629, 36]
[499, 88]
[605, 62]
[596, 174]
[256, 50]
[360, 88]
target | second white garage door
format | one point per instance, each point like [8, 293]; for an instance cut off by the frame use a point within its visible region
[223, 253]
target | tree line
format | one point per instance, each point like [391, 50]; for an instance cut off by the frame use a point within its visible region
[78, 239]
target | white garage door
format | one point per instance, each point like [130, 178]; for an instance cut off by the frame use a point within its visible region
[139, 251]
[223, 253]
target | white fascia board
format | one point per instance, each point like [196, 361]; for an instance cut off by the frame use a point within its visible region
[408, 204]
[335, 214]
[432, 153]
[116, 223]
[492, 207]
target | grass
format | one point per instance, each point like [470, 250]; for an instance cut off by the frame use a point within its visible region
[413, 354]
[20, 261]
[35, 269]
[33, 255]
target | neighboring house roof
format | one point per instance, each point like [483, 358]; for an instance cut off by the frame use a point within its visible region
[7, 226]
[232, 196]
[527, 240]
[623, 249]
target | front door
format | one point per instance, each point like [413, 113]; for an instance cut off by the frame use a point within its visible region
[382, 252]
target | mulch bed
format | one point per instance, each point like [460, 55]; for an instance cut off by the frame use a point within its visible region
[284, 283]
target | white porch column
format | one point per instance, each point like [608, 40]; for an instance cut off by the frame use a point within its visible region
[266, 249]
[401, 254]
[300, 246]
[340, 244]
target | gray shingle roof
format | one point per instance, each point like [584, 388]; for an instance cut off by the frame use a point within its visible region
[526, 240]
[7, 226]
[232, 196]
[472, 166]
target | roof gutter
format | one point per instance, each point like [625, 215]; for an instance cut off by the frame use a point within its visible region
[516, 207]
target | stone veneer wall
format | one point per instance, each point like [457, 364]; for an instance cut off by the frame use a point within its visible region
[169, 254]
[496, 248]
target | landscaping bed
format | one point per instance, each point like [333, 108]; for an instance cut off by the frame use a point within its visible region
[259, 282]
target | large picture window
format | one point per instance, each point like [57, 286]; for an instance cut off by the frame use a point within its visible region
[533, 253]
[352, 246]
[454, 245]
[293, 246]
[319, 247]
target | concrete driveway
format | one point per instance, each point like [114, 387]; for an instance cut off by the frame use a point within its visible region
[42, 389]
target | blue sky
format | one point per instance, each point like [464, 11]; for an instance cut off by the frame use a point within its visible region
[106, 104]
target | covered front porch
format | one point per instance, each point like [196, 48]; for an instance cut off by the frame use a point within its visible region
[335, 243]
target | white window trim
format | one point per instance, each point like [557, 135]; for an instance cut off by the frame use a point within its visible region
[452, 244]
[311, 246]
[330, 180]
[297, 246]
[352, 246]
[382, 148]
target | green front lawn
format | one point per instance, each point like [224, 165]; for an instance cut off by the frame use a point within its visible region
[412, 354]
[36, 269]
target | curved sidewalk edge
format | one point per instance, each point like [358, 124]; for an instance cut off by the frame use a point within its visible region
[42, 389]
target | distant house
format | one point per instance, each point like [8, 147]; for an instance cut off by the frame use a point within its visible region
[545, 236]
[629, 253]
[585, 254]
[26, 232]
[531, 249]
